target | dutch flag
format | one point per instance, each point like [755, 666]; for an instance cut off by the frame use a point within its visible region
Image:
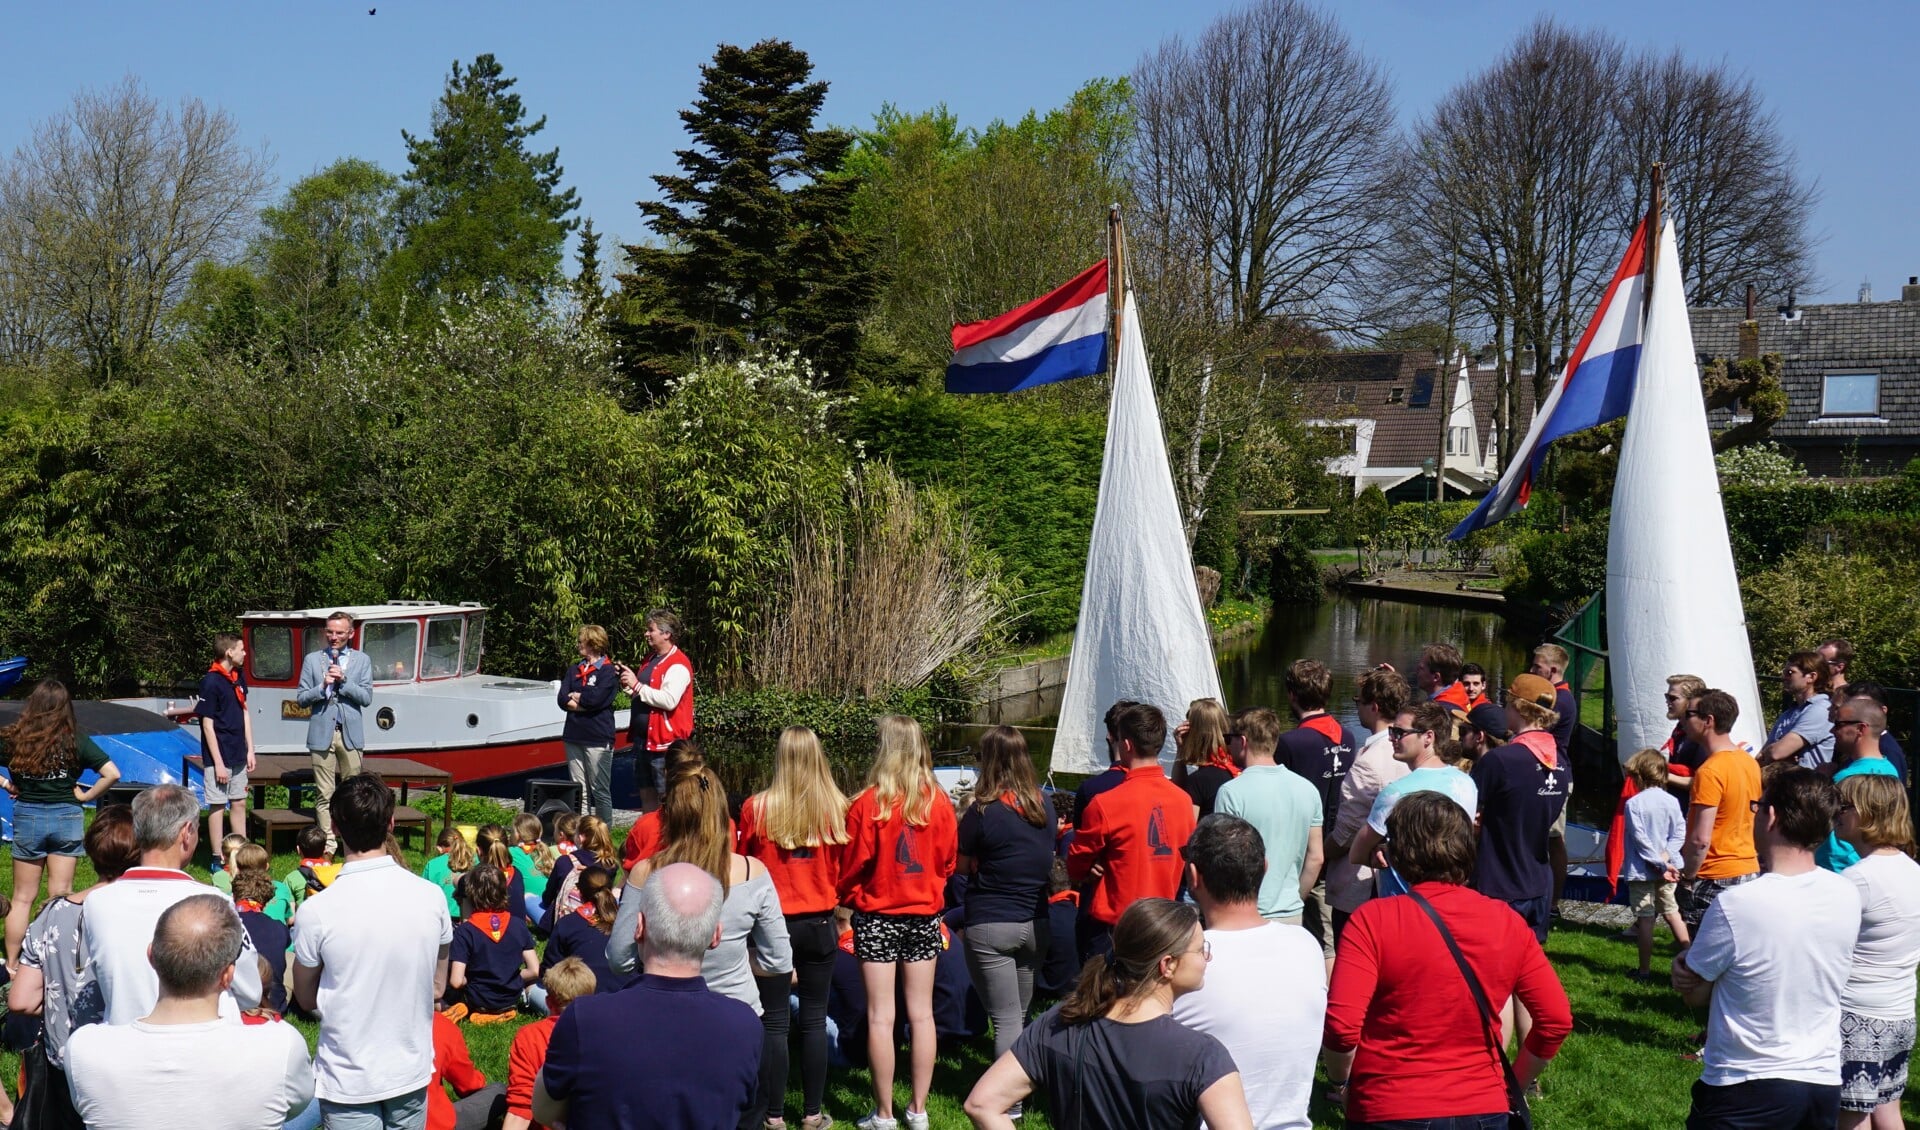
[1056, 337]
[1597, 386]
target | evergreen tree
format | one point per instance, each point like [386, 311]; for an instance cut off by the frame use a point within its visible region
[588, 287]
[479, 212]
[754, 247]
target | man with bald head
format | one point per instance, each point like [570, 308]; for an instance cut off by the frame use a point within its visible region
[666, 1051]
[182, 1065]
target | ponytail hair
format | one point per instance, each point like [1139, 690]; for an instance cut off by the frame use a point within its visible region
[491, 841]
[596, 890]
[1150, 929]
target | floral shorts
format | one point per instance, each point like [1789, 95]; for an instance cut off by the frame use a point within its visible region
[1873, 1060]
[887, 938]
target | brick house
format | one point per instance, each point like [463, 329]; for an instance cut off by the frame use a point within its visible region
[1386, 407]
[1851, 373]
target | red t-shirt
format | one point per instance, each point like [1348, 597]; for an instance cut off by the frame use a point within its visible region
[1398, 995]
[1453, 694]
[524, 1061]
[1136, 829]
[451, 1064]
[807, 878]
[892, 867]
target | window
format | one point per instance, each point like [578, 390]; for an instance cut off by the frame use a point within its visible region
[1851, 394]
[1343, 394]
[270, 652]
[1397, 394]
[394, 648]
[1459, 441]
[1422, 388]
[443, 648]
[476, 630]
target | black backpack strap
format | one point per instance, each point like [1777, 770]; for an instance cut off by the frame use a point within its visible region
[1488, 1021]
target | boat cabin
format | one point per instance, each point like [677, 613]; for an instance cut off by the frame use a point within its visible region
[408, 641]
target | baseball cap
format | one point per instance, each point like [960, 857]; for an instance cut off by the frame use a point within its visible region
[1490, 720]
[1531, 688]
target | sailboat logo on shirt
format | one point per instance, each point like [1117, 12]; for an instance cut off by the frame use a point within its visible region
[1157, 832]
[903, 854]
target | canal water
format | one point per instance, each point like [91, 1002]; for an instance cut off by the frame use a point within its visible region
[1350, 636]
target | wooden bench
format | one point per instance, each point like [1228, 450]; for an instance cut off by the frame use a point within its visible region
[272, 820]
[406, 819]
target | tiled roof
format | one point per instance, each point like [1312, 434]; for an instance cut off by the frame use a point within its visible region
[1403, 435]
[1876, 337]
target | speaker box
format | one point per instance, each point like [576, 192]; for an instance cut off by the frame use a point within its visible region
[548, 797]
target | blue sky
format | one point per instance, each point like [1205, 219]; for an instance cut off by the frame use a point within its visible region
[319, 79]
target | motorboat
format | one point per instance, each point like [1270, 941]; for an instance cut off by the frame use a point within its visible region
[431, 702]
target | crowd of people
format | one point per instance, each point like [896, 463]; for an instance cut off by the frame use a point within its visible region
[1357, 907]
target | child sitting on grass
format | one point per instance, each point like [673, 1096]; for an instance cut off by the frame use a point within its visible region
[565, 982]
[493, 848]
[253, 889]
[1656, 830]
[253, 859]
[316, 870]
[223, 864]
[565, 827]
[451, 865]
[582, 935]
[526, 853]
[492, 957]
[453, 1066]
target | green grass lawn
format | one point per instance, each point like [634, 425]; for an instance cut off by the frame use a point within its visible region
[1622, 1068]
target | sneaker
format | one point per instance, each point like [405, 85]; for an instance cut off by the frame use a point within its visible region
[916, 1120]
[821, 1121]
[873, 1121]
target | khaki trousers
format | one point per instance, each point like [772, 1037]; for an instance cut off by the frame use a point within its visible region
[330, 765]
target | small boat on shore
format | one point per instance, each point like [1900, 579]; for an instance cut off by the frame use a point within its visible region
[431, 703]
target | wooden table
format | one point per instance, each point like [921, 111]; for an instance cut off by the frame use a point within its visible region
[294, 770]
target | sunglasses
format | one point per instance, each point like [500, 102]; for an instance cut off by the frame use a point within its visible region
[1700, 714]
[1398, 732]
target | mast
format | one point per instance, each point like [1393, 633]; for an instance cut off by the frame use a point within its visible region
[1116, 284]
[1656, 209]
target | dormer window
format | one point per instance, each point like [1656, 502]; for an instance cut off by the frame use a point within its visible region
[1397, 394]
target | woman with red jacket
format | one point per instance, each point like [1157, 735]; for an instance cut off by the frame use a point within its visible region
[798, 827]
[901, 847]
[1404, 1034]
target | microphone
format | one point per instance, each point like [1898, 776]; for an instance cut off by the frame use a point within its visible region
[333, 657]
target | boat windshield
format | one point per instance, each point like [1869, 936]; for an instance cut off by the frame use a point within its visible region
[443, 648]
[394, 647]
[476, 632]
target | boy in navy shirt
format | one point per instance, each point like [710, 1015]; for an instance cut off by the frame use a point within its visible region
[252, 891]
[492, 959]
[226, 735]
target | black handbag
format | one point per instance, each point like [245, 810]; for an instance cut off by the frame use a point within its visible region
[1518, 1116]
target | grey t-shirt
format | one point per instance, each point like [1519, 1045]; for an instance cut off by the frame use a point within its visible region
[71, 997]
[750, 918]
[1146, 1076]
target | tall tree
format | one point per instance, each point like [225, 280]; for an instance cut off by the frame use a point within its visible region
[755, 250]
[966, 224]
[480, 213]
[589, 288]
[111, 205]
[1740, 209]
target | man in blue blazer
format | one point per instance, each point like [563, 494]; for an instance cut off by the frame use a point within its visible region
[336, 684]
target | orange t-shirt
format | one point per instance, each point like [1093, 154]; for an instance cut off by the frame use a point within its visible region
[1729, 783]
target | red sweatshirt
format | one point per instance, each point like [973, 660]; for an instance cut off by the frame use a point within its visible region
[1398, 995]
[451, 1064]
[807, 878]
[1136, 829]
[891, 867]
[524, 1061]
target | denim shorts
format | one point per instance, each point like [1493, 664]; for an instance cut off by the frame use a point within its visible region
[40, 830]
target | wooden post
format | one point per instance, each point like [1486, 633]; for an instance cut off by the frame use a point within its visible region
[1116, 284]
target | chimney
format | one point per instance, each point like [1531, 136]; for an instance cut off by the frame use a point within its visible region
[1911, 291]
[1750, 329]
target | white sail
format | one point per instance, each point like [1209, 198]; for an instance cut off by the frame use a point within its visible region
[1673, 599]
[1142, 634]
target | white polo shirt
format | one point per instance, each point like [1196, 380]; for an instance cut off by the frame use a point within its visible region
[212, 1076]
[375, 935]
[116, 927]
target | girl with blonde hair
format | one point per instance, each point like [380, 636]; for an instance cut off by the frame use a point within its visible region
[753, 933]
[1877, 1004]
[900, 850]
[797, 827]
[1203, 760]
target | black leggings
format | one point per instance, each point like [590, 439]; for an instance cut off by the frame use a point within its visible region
[814, 945]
